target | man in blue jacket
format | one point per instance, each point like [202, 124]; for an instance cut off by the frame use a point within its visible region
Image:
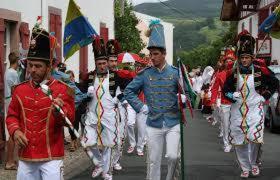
[160, 86]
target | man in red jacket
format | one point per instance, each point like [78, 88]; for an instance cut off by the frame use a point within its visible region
[33, 122]
[225, 104]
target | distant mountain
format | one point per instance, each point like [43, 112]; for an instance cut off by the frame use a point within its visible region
[188, 8]
[196, 21]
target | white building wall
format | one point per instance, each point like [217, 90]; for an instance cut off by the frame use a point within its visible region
[168, 32]
[275, 52]
[97, 11]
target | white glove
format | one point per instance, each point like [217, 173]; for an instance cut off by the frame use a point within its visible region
[90, 91]
[115, 100]
[183, 97]
[236, 96]
[144, 109]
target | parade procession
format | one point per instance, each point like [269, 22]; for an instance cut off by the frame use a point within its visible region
[140, 89]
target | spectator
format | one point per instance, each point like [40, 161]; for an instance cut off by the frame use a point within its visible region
[11, 79]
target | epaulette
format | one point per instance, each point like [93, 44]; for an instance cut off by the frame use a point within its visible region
[174, 67]
[15, 86]
[70, 91]
[141, 71]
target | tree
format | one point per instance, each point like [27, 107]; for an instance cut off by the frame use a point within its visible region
[208, 54]
[125, 28]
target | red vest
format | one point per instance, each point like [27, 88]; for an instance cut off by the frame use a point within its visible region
[31, 112]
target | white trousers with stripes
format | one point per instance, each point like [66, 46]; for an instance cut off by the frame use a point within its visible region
[101, 159]
[247, 155]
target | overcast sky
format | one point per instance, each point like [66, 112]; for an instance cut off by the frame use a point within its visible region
[135, 2]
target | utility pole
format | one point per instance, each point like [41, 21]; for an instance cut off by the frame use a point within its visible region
[122, 2]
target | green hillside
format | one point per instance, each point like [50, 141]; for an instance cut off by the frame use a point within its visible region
[196, 22]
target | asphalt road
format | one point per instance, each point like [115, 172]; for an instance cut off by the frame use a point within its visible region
[204, 157]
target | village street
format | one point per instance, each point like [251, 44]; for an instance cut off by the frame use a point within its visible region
[84, 81]
[204, 157]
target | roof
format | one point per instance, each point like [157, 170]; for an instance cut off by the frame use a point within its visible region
[234, 10]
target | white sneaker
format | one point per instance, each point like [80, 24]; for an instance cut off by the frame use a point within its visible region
[255, 171]
[227, 148]
[107, 176]
[96, 172]
[117, 167]
[214, 122]
[244, 174]
[140, 152]
[130, 150]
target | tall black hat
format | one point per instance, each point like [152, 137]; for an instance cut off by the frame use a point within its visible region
[99, 48]
[246, 44]
[39, 48]
[113, 48]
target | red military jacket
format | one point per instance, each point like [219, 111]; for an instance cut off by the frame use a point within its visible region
[32, 112]
[219, 85]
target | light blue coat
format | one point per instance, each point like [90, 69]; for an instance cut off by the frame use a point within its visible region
[160, 90]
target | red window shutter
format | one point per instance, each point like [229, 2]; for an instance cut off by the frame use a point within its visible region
[52, 23]
[2, 54]
[84, 59]
[263, 14]
[24, 35]
[104, 33]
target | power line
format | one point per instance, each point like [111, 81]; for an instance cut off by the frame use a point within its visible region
[176, 10]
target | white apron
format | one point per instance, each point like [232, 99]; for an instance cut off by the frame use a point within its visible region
[247, 115]
[101, 124]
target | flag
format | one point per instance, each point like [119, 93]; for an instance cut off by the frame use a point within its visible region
[77, 32]
[272, 24]
[38, 22]
[185, 88]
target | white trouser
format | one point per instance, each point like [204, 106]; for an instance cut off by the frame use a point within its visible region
[216, 114]
[225, 114]
[156, 138]
[131, 118]
[40, 170]
[117, 153]
[247, 155]
[141, 132]
[101, 159]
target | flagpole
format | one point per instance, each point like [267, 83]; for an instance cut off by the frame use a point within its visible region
[181, 132]
[266, 36]
[182, 150]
